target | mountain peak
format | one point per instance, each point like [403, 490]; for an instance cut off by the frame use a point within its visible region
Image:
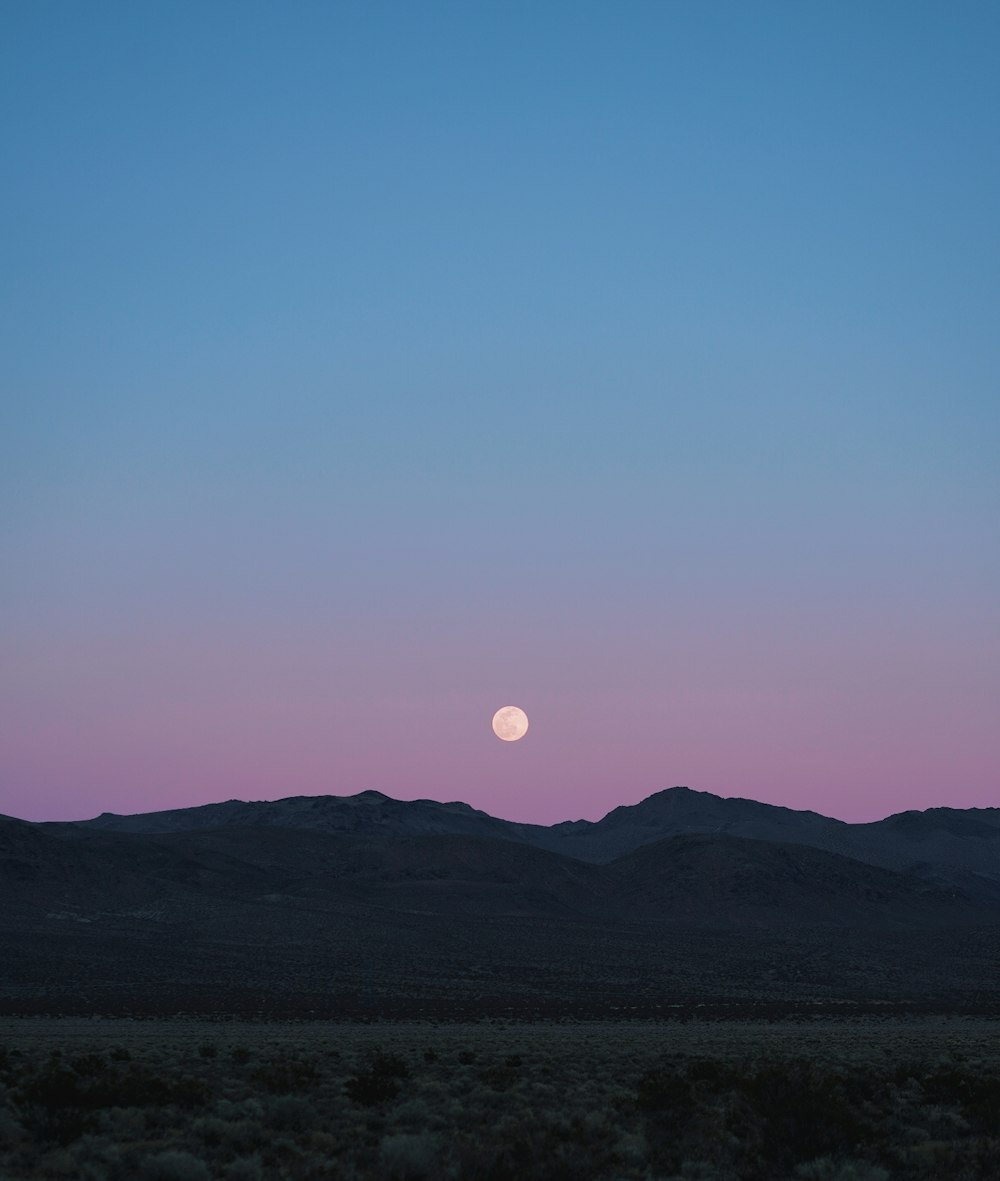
[942, 844]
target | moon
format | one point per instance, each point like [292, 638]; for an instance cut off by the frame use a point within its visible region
[510, 723]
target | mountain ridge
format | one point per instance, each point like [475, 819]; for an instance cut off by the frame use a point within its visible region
[367, 904]
[956, 848]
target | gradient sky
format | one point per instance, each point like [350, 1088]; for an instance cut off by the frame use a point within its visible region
[367, 366]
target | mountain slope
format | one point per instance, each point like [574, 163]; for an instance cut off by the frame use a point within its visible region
[366, 812]
[214, 920]
[694, 878]
[951, 848]
[679, 810]
[712, 878]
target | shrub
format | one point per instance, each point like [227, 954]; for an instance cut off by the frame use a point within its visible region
[662, 1092]
[380, 1082]
[977, 1094]
[175, 1166]
[89, 1066]
[367, 1088]
[534, 1149]
[390, 1065]
[244, 1135]
[406, 1157]
[282, 1076]
[245, 1168]
[290, 1113]
[60, 1102]
[210, 1130]
[825, 1169]
[10, 1129]
[414, 1115]
[122, 1123]
[804, 1112]
[500, 1075]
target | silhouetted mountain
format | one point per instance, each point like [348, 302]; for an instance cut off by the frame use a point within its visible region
[958, 846]
[369, 904]
[706, 879]
[689, 879]
[219, 918]
[366, 812]
[951, 848]
[677, 811]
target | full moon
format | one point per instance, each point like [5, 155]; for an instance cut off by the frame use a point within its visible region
[510, 723]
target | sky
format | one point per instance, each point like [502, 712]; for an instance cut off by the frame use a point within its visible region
[365, 367]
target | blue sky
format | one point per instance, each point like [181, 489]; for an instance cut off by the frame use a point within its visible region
[375, 361]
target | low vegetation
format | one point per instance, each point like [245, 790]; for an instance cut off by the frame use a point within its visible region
[861, 1100]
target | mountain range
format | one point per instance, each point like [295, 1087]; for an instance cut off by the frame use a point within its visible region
[347, 903]
[950, 847]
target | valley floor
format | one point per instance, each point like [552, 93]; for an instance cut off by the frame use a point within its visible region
[857, 1099]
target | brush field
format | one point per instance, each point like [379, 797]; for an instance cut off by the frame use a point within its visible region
[859, 1099]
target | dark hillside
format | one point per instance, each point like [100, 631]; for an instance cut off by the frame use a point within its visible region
[953, 849]
[299, 919]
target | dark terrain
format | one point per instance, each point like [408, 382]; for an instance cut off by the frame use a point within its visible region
[367, 906]
[838, 1099]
